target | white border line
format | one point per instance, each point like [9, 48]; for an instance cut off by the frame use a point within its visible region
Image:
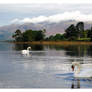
[46, 1]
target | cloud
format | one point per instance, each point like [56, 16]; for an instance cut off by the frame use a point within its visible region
[77, 15]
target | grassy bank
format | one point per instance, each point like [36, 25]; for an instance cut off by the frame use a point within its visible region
[55, 43]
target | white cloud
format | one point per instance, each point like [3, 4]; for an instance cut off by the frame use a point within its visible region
[15, 20]
[35, 19]
[77, 15]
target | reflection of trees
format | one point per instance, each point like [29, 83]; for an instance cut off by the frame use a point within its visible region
[74, 50]
[18, 47]
[37, 47]
[56, 47]
[24, 46]
[78, 50]
[89, 51]
[71, 50]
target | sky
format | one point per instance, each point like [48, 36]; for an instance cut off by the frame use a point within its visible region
[36, 11]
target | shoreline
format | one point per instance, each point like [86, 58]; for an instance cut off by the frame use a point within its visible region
[55, 43]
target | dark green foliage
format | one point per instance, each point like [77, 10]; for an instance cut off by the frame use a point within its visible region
[72, 38]
[90, 33]
[77, 32]
[51, 38]
[18, 35]
[80, 29]
[57, 37]
[39, 35]
[29, 35]
[71, 31]
[80, 26]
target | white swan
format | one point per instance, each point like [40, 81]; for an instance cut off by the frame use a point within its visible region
[86, 73]
[26, 52]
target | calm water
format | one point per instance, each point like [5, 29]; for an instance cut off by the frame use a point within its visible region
[45, 67]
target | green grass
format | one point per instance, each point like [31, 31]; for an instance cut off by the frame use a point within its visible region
[84, 39]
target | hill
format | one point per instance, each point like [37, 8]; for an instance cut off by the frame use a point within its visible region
[51, 28]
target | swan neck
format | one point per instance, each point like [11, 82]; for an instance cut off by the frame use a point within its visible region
[78, 69]
[27, 48]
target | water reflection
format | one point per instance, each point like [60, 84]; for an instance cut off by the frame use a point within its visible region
[89, 51]
[54, 59]
[47, 66]
[24, 46]
[74, 50]
[75, 83]
[27, 55]
[70, 50]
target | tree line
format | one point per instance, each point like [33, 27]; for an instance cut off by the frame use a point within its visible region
[29, 35]
[72, 33]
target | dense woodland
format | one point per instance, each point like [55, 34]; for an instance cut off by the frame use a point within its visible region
[72, 33]
[29, 35]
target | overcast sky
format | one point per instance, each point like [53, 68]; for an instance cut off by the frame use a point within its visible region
[36, 12]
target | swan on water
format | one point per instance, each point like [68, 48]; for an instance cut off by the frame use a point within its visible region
[26, 52]
[86, 73]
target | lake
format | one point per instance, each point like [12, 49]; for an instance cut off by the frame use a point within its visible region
[47, 66]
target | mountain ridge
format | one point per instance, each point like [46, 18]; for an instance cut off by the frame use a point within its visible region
[7, 31]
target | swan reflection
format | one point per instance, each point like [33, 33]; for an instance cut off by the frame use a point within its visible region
[27, 55]
[75, 83]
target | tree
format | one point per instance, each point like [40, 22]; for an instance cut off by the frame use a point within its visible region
[29, 35]
[71, 31]
[18, 35]
[57, 37]
[33, 35]
[51, 38]
[90, 33]
[80, 29]
[39, 35]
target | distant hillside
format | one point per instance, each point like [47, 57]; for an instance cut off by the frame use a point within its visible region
[51, 28]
